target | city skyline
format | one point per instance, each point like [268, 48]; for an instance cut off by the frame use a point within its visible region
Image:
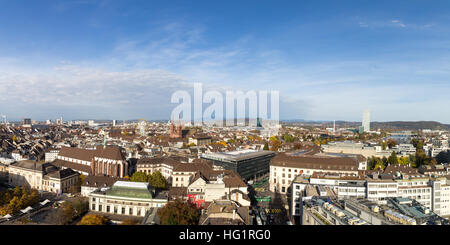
[110, 59]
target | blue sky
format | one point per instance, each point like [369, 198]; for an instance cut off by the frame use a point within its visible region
[123, 59]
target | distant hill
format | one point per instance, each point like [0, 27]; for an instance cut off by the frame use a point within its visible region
[407, 125]
[394, 125]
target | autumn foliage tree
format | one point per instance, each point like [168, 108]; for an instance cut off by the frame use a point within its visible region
[12, 201]
[93, 219]
[130, 222]
[71, 210]
[178, 213]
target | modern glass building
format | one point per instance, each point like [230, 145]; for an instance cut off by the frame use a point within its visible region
[247, 163]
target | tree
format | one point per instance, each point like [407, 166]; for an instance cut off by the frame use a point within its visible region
[266, 146]
[66, 213]
[417, 143]
[404, 160]
[375, 163]
[275, 145]
[393, 158]
[139, 177]
[288, 138]
[93, 219]
[178, 213]
[391, 143]
[443, 157]
[433, 162]
[298, 146]
[157, 180]
[130, 222]
[421, 158]
[80, 206]
[15, 204]
[385, 161]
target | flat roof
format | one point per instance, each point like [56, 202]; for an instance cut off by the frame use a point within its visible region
[130, 184]
[237, 155]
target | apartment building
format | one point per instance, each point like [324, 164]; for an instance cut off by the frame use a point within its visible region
[284, 168]
[42, 176]
[350, 147]
[440, 199]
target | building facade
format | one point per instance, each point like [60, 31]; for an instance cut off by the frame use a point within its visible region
[126, 198]
[103, 161]
[247, 163]
[42, 176]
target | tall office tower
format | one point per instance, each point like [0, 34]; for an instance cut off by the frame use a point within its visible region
[27, 121]
[366, 121]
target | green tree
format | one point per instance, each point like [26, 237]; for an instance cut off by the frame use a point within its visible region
[266, 146]
[157, 180]
[443, 157]
[288, 138]
[393, 158]
[139, 177]
[178, 213]
[385, 161]
[421, 158]
[80, 206]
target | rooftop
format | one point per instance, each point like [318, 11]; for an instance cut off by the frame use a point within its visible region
[238, 155]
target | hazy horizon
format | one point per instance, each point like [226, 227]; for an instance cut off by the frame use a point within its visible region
[329, 60]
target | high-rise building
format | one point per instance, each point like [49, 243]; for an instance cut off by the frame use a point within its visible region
[366, 121]
[26, 122]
